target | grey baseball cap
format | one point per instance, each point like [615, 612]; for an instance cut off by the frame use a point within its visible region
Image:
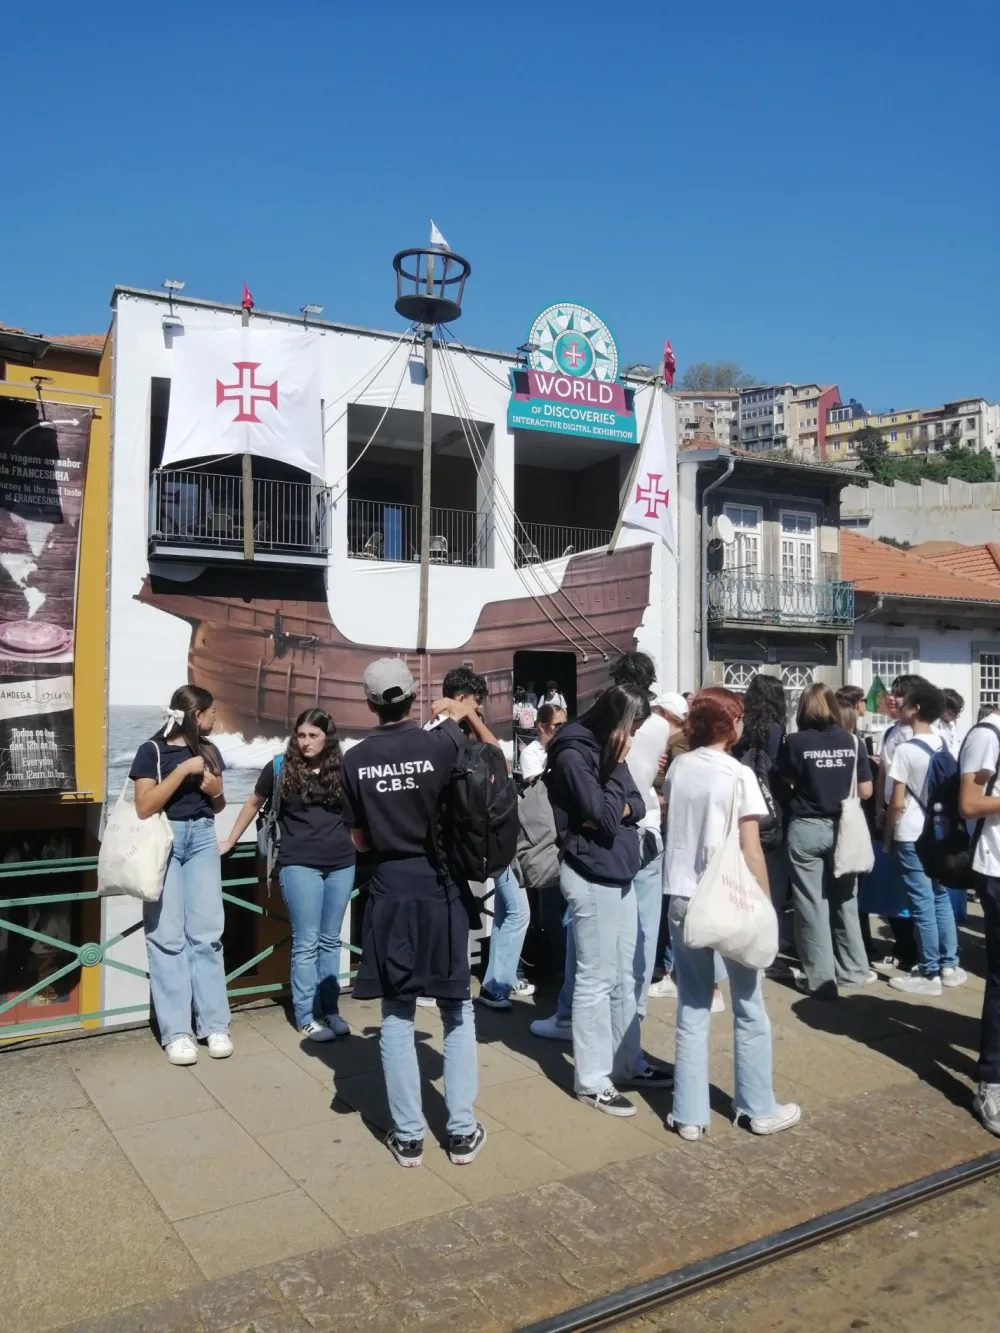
[388, 680]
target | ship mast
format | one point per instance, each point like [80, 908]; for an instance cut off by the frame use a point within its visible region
[430, 282]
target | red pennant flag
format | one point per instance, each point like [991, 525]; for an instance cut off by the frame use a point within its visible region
[669, 364]
[248, 300]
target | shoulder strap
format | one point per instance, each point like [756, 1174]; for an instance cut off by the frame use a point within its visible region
[159, 772]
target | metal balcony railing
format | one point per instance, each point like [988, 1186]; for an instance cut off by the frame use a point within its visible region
[205, 509]
[380, 531]
[537, 542]
[740, 596]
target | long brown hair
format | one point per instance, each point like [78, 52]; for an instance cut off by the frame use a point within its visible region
[611, 718]
[818, 708]
[190, 700]
[297, 776]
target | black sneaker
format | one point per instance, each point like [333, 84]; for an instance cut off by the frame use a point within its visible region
[609, 1100]
[650, 1076]
[407, 1152]
[462, 1148]
[493, 1001]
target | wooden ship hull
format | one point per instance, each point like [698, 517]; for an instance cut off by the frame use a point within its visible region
[267, 660]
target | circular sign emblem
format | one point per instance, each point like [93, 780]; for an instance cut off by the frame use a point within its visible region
[571, 340]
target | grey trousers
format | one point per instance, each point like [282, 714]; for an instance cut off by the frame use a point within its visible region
[827, 928]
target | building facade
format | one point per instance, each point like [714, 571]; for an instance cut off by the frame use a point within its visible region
[787, 417]
[971, 422]
[707, 416]
[951, 511]
[772, 598]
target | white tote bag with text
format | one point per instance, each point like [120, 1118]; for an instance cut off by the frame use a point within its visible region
[729, 911]
[853, 853]
[134, 852]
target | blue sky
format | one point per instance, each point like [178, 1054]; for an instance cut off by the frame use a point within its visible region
[810, 189]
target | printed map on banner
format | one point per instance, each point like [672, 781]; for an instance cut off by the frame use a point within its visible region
[43, 464]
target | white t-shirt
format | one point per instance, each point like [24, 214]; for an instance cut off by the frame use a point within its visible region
[948, 731]
[649, 745]
[699, 791]
[981, 752]
[910, 764]
[556, 700]
[533, 759]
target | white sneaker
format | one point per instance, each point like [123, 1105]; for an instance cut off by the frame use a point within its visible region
[869, 979]
[917, 984]
[691, 1133]
[338, 1026]
[182, 1051]
[986, 1105]
[220, 1047]
[425, 1002]
[718, 1002]
[954, 976]
[317, 1031]
[555, 1028]
[664, 990]
[788, 1115]
[523, 990]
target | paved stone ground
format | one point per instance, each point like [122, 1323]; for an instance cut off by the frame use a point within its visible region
[932, 1268]
[140, 1197]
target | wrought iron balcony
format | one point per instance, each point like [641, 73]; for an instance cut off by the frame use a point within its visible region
[736, 595]
[379, 531]
[200, 514]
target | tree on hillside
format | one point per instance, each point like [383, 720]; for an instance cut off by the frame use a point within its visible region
[716, 375]
[885, 468]
[873, 455]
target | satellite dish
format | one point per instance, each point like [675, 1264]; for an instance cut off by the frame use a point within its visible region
[724, 530]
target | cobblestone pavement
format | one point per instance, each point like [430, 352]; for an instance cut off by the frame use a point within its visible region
[253, 1194]
[931, 1268]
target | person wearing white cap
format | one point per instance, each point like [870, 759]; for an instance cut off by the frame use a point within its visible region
[415, 936]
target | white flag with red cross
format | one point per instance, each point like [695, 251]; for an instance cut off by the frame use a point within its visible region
[650, 503]
[246, 391]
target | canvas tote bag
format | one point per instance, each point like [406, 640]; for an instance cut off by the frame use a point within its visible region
[134, 852]
[853, 853]
[729, 911]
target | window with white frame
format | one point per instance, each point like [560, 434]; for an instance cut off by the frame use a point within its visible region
[744, 553]
[798, 546]
[795, 677]
[738, 675]
[989, 678]
[887, 664]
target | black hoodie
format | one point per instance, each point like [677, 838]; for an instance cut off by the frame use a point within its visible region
[607, 850]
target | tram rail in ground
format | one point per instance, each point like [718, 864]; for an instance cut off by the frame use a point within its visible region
[625, 1305]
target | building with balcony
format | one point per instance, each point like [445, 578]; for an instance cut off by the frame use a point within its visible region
[707, 415]
[787, 417]
[763, 591]
[971, 422]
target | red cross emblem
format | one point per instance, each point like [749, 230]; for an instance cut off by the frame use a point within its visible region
[574, 356]
[651, 495]
[247, 392]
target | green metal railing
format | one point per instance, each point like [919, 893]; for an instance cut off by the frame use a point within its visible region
[93, 953]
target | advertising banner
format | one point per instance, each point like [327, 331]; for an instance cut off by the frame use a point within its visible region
[43, 465]
[571, 384]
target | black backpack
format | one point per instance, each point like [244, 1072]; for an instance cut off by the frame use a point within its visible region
[772, 829]
[479, 823]
[945, 847]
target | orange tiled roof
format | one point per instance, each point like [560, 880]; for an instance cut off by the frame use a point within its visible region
[973, 562]
[873, 567]
[85, 342]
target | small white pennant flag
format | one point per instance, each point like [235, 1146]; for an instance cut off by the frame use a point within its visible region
[650, 504]
[436, 237]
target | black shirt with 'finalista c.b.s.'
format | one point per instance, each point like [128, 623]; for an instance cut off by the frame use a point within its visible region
[818, 763]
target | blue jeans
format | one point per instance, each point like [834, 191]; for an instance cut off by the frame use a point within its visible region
[316, 902]
[184, 936]
[511, 916]
[753, 1094]
[648, 886]
[933, 916]
[402, 1073]
[605, 1021]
